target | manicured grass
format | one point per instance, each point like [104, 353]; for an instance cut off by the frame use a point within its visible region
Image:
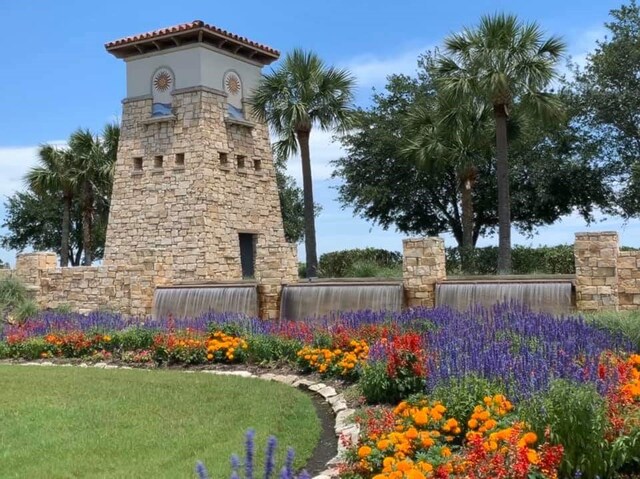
[73, 422]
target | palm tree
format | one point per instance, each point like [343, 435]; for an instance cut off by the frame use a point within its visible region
[302, 93]
[54, 176]
[93, 163]
[503, 61]
[445, 133]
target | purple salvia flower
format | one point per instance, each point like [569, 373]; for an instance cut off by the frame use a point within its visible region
[270, 460]
[202, 471]
[249, 451]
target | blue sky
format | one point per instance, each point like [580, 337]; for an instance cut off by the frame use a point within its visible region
[56, 75]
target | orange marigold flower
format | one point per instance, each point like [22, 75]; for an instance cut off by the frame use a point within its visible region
[364, 451]
[532, 456]
[530, 438]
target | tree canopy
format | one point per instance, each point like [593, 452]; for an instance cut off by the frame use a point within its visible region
[302, 94]
[508, 64]
[606, 92]
[552, 173]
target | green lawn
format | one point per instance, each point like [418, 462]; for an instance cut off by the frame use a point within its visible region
[73, 422]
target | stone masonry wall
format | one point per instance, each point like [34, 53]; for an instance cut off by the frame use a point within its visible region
[188, 216]
[127, 290]
[423, 265]
[628, 280]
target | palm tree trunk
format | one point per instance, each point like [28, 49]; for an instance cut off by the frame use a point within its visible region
[66, 229]
[504, 198]
[309, 216]
[87, 218]
[466, 182]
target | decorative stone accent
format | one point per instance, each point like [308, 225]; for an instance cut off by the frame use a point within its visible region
[327, 392]
[317, 387]
[423, 265]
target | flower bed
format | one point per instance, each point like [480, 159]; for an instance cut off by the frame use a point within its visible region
[501, 393]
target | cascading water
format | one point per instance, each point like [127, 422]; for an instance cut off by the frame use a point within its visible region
[545, 296]
[309, 300]
[190, 302]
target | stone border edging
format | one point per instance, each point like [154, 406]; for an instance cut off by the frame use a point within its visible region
[343, 426]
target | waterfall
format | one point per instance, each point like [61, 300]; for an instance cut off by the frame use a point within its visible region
[545, 296]
[308, 300]
[190, 302]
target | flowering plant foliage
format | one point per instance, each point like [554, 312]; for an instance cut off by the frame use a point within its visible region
[223, 347]
[422, 442]
[337, 362]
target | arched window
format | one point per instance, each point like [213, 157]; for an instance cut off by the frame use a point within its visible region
[162, 85]
[232, 86]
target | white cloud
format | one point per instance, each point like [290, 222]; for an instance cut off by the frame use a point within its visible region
[372, 71]
[323, 150]
[584, 43]
[14, 164]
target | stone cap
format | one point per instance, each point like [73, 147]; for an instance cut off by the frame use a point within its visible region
[587, 234]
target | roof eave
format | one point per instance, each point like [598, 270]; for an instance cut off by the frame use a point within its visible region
[191, 36]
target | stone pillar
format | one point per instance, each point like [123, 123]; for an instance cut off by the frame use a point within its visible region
[628, 280]
[29, 268]
[423, 265]
[281, 269]
[596, 256]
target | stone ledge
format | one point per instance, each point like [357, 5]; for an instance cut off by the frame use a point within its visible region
[159, 119]
[238, 122]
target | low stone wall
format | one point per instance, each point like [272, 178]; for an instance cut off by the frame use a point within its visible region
[125, 289]
[606, 278]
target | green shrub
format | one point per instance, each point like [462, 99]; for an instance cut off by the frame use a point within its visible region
[5, 352]
[25, 310]
[302, 270]
[376, 385]
[12, 293]
[542, 260]
[338, 264]
[576, 417]
[132, 339]
[461, 395]
[367, 268]
[34, 348]
[264, 349]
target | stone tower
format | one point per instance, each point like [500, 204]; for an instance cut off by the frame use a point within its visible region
[194, 193]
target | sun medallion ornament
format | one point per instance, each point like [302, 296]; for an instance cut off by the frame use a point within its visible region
[232, 82]
[162, 81]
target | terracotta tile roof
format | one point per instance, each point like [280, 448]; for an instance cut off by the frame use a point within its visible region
[186, 27]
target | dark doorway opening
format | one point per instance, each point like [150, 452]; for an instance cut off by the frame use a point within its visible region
[248, 255]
